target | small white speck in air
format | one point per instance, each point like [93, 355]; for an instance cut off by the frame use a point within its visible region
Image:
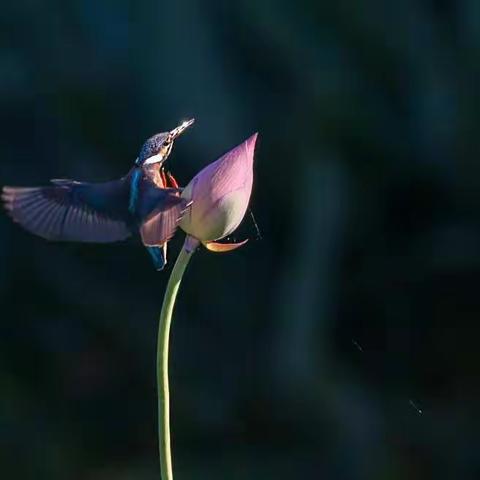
[359, 347]
[413, 405]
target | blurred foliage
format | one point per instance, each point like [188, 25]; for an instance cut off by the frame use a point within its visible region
[303, 355]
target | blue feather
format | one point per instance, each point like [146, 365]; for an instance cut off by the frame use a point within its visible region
[134, 189]
[158, 257]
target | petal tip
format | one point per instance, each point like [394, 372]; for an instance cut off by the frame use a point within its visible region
[252, 140]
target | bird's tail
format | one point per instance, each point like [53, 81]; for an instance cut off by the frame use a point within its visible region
[159, 256]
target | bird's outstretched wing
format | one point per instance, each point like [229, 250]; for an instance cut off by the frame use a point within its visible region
[161, 222]
[72, 211]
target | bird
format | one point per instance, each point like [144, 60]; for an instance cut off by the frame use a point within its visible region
[145, 201]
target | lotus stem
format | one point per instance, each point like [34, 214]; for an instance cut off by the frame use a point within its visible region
[163, 390]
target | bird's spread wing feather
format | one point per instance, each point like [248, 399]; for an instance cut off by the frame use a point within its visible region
[160, 225]
[71, 211]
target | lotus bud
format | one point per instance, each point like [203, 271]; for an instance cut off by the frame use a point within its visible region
[220, 195]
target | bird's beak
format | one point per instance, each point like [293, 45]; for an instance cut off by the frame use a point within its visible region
[180, 129]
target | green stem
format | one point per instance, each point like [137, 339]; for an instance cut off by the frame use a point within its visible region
[162, 363]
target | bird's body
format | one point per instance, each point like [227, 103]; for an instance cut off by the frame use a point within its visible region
[146, 200]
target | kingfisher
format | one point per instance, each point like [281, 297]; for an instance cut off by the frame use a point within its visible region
[146, 201]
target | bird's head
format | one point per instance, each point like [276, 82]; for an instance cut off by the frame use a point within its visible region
[157, 148]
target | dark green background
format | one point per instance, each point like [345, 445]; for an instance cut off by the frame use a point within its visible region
[307, 354]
